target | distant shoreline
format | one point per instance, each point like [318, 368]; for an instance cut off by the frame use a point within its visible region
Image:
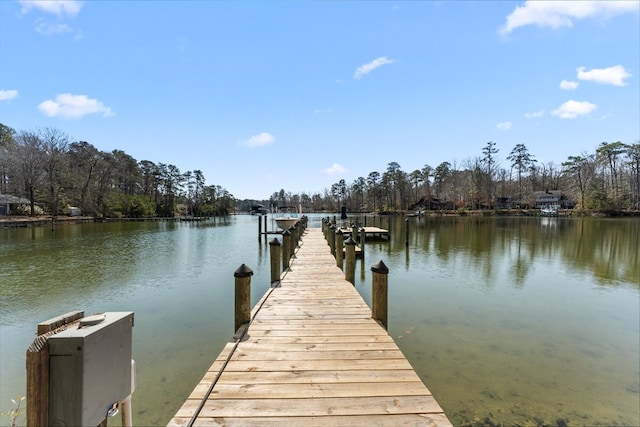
[43, 220]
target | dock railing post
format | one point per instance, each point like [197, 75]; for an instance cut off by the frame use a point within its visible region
[260, 228]
[355, 231]
[379, 289]
[265, 227]
[298, 233]
[406, 232]
[339, 247]
[286, 249]
[332, 239]
[350, 268]
[275, 254]
[243, 296]
[293, 241]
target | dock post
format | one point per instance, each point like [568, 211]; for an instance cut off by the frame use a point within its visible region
[275, 254]
[350, 268]
[243, 296]
[265, 227]
[363, 238]
[299, 228]
[260, 227]
[293, 241]
[339, 247]
[406, 232]
[286, 249]
[332, 239]
[379, 289]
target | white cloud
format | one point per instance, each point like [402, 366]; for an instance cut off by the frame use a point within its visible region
[59, 8]
[334, 169]
[8, 95]
[613, 75]
[259, 140]
[572, 109]
[369, 67]
[557, 14]
[71, 106]
[534, 115]
[47, 29]
[568, 85]
[504, 125]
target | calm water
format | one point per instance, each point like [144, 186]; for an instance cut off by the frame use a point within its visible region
[519, 320]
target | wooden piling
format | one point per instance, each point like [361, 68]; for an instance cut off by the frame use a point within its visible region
[293, 241]
[332, 239]
[260, 227]
[379, 289]
[286, 249]
[275, 254]
[350, 268]
[339, 247]
[406, 232]
[242, 296]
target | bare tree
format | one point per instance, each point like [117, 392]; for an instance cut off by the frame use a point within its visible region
[27, 165]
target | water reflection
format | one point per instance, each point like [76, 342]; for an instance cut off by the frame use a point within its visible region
[606, 248]
[520, 321]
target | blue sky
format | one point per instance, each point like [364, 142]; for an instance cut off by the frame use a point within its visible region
[298, 95]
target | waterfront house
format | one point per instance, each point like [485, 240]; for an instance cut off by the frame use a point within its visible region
[9, 203]
[551, 199]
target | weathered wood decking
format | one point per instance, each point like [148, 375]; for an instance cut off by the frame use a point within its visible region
[312, 356]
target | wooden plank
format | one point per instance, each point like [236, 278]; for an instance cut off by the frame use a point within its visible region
[377, 376]
[262, 346]
[312, 407]
[309, 390]
[392, 420]
[317, 365]
[293, 356]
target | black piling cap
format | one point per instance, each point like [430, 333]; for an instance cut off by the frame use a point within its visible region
[274, 242]
[379, 267]
[339, 231]
[350, 241]
[243, 271]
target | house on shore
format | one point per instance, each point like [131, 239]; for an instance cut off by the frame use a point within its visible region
[551, 199]
[9, 204]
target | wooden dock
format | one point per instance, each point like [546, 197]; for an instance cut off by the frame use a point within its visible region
[370, 232]
[311, 356]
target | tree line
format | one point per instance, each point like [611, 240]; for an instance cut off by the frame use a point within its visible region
[49, 170]
[606, 179]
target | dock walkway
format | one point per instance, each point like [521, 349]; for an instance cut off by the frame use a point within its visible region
[311, 356]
